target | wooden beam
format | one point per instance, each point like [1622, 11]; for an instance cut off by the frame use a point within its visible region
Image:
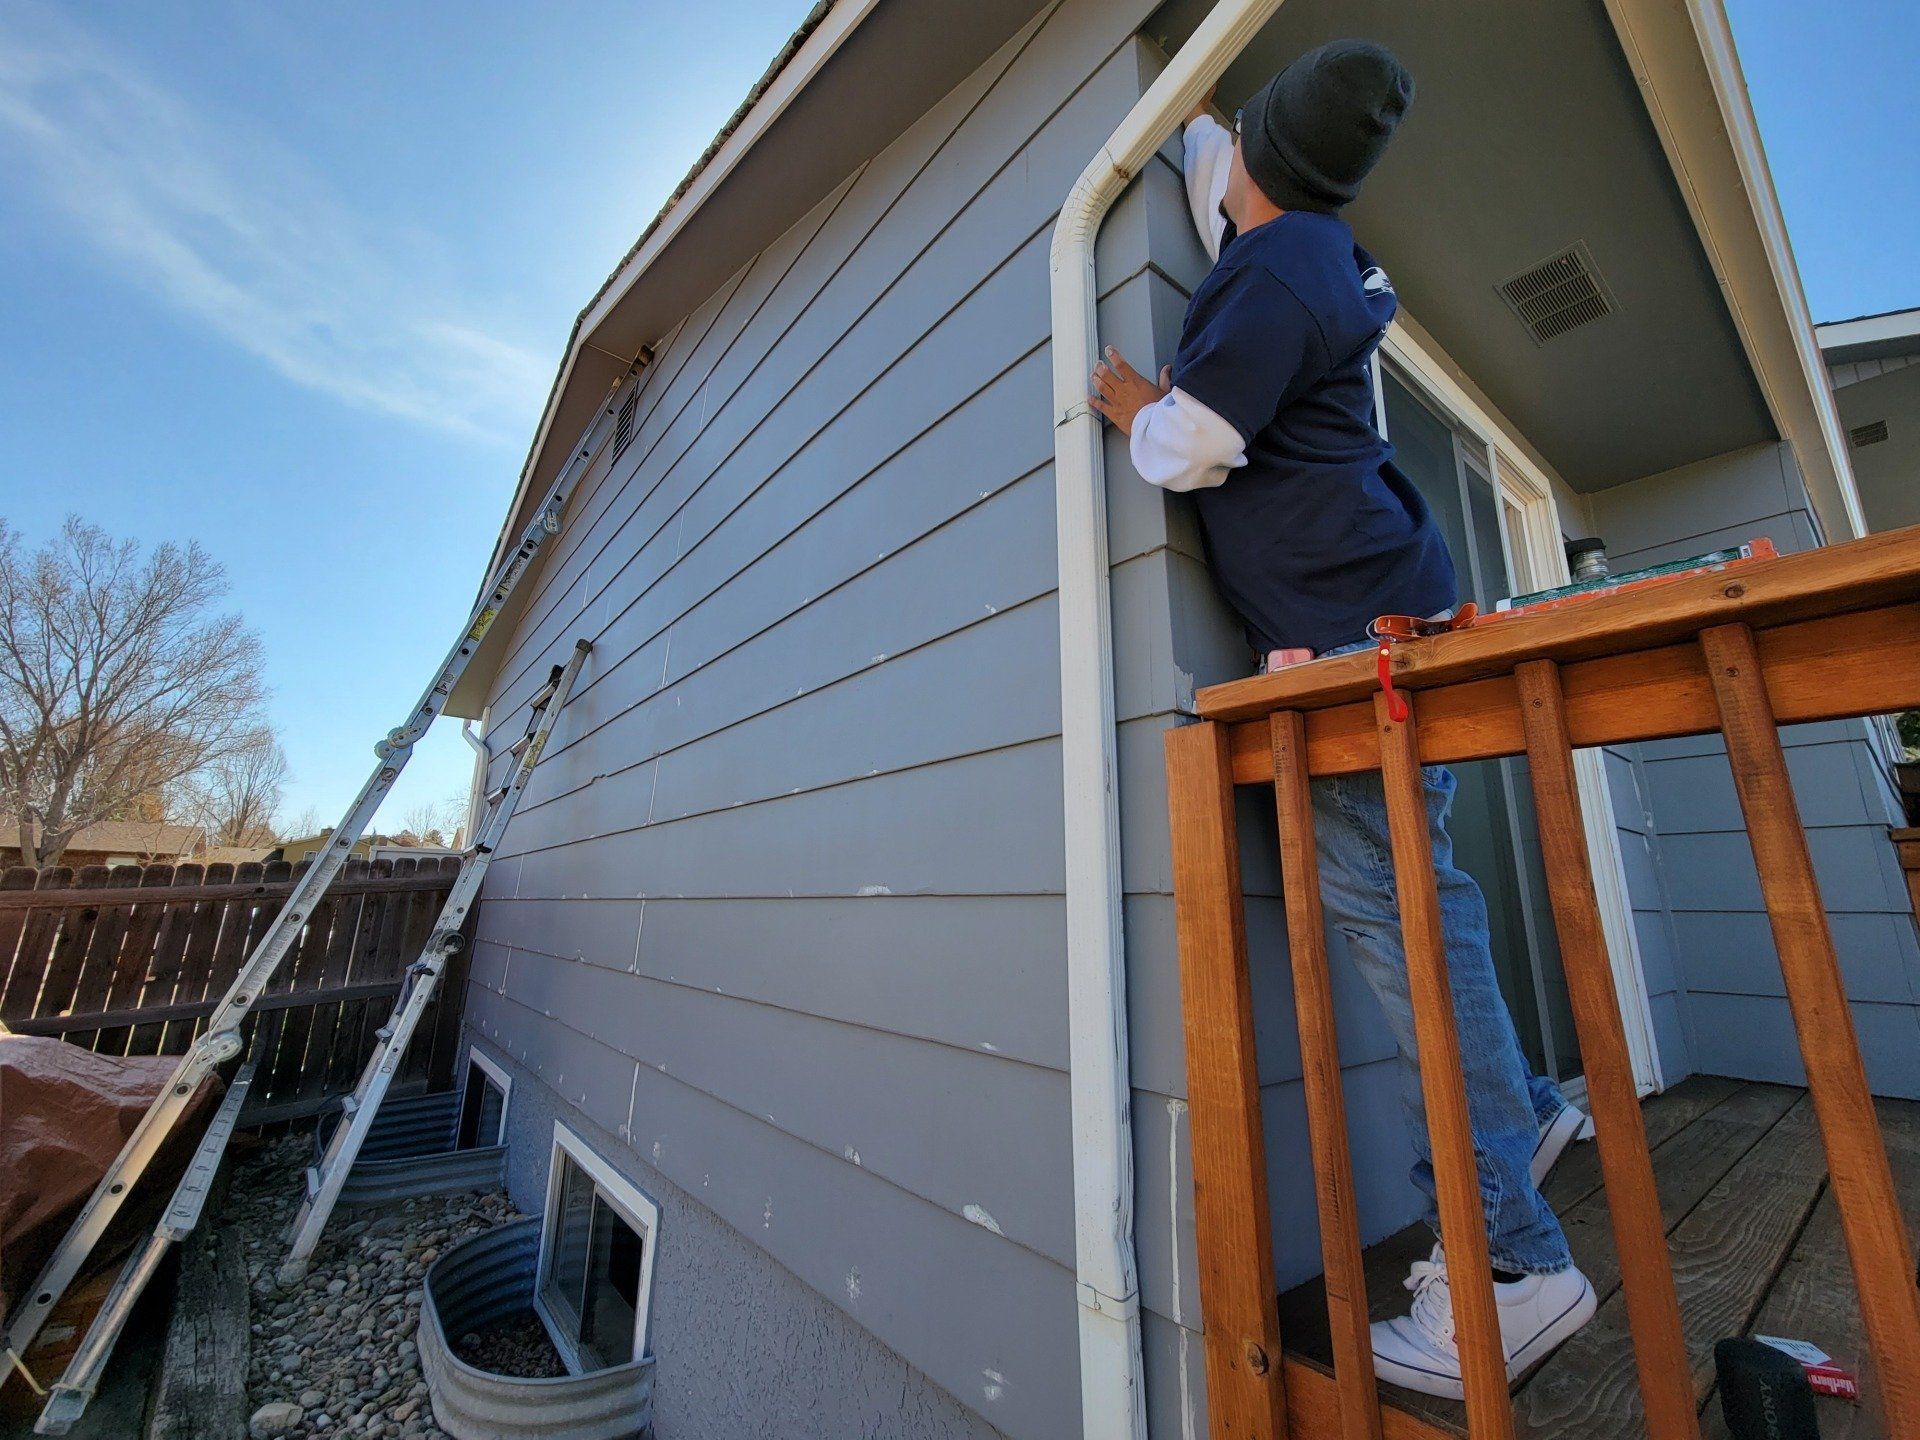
[1639, 1232]
[1246, 1397]
[1816, 994]
[1877, 571]
[1824, 669]
[1456, 1173]
[1346, 1276]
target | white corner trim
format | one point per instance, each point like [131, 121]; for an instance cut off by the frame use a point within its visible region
[629, 1202]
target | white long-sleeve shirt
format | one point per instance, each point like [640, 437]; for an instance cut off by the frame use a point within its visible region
[1179, 443]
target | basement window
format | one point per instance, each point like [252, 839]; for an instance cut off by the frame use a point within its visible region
[595, 1284]
[483, 1104]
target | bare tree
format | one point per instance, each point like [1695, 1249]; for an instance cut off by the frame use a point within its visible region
[232, 799]
[306, 823]
[117, 678]
[433, 823]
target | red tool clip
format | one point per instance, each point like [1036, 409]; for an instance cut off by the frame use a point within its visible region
[1389, 628]
[1396, 702]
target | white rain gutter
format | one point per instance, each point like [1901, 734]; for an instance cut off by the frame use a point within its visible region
[1112, 1386]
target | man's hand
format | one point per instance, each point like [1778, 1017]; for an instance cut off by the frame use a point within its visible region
[1120, 392]
[1205, 107]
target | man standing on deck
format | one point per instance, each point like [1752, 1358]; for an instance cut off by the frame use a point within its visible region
[1266, 418]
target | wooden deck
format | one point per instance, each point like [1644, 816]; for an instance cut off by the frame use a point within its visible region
[1755, 1243]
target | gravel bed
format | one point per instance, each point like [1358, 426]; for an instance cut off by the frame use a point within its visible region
[339, 1348]
[515, 1346]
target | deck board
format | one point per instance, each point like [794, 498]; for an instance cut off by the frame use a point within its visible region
[1754, 1241]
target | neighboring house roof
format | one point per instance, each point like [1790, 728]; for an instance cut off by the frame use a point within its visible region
[1870, 337]
[123, 837]
[236, 854]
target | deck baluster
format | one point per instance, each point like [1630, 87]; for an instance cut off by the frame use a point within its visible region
[1816, 994]
[1463, 1226]
[1346, 1279]
[1246, 1397]
[1633, 1204]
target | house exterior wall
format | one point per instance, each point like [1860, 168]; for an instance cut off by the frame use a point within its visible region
[780, 919]
[1887, 473]
[1719, 1005]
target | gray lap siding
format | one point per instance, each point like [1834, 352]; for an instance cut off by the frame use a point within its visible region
[781, 911]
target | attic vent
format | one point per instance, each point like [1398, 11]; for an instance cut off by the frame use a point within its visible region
[1558, 295]
[623, 426]
[1872, 433]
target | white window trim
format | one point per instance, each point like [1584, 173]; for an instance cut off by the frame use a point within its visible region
[1531, 489]
[630, 1203]
[495, 1072]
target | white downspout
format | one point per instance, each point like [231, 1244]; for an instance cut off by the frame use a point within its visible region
[1112, 1388]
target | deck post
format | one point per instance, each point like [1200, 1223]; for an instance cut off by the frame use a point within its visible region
[1246, 1398]
[1639, 1232]
[1341, 1260]
[1456, 1174]
[1856, 1156]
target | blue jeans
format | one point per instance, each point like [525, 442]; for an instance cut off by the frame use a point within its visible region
[1505, 1104]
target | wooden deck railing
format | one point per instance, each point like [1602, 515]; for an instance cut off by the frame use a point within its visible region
[1818, 636]
[130, 961]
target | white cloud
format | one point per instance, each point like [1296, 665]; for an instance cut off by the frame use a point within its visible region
[237, 231]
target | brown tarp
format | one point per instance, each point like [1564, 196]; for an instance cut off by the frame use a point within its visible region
[64, 1114]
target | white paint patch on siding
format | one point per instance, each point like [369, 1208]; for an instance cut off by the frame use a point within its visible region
[980, 1217]
[870, 890]
[853, 1284]
[996, 1385]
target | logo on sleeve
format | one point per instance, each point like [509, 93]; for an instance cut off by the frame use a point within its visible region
[1375, 282]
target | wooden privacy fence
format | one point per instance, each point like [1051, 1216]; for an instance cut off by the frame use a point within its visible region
[131, 961]
[1818, 636]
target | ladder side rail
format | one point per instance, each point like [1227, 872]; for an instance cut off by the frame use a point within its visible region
[68, 1399]
[330, 1176]
[220, 1041]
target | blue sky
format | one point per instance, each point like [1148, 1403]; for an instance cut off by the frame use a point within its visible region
[293, 280]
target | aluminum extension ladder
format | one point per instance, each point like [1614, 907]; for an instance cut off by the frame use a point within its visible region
[324, 1180]
[221, 1040]
[67, 1401]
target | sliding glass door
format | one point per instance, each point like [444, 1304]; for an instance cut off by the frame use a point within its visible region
[1492, 827]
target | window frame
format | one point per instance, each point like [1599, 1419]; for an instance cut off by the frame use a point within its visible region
[478, 1059]
[624, 1199]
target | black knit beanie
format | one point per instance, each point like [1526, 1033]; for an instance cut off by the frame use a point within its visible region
[1310, 135]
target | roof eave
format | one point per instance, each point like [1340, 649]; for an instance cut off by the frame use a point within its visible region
[1684, 60]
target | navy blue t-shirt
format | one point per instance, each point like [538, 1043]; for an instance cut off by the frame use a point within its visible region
[1320, 531]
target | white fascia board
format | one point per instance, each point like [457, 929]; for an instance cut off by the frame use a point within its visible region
[1889, 329]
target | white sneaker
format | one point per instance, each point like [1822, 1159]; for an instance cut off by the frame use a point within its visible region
[1537, 1314]
[1571, 1124]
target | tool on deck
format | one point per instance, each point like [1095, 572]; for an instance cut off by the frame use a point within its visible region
[67, 1401]
[1387, 629]
[324, 1180]
[221, 1041]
